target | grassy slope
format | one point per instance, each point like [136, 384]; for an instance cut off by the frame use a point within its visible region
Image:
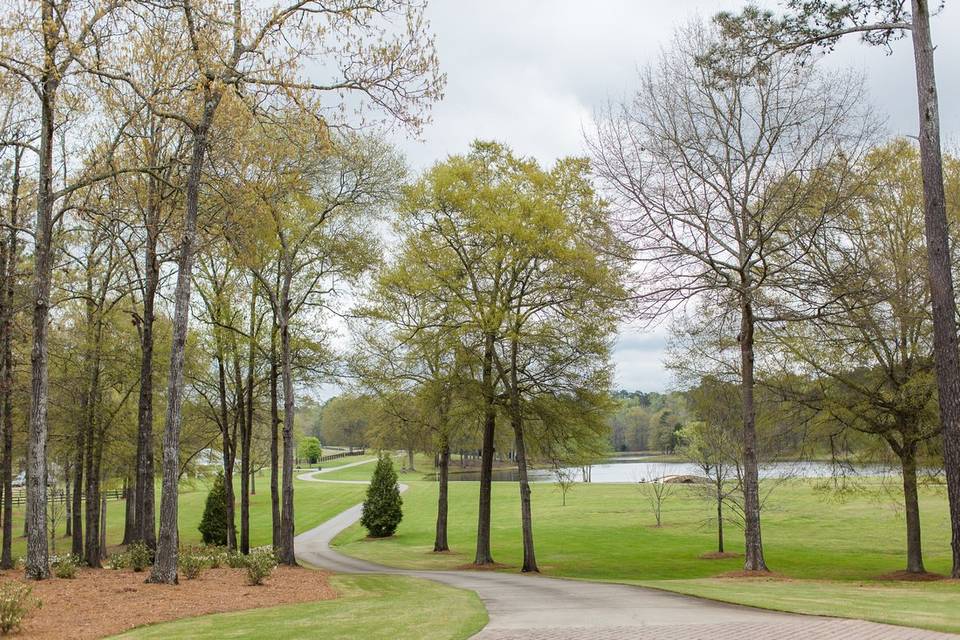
[832, 551]
[371, 607]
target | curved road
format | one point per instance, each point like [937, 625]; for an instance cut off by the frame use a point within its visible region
[534, 607]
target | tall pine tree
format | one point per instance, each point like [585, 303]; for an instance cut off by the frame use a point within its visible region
[213, 526]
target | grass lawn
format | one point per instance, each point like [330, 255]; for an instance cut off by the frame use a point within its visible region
[371, 607]
[831, 551]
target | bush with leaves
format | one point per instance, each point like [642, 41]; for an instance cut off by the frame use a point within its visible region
[382, 508]
[15, 602]
[235, 560]
[213, 526]
[260, 564]
[139, 557]
[192, 562]
[64, 566]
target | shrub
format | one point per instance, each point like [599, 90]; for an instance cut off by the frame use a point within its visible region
[15, 602]
[192, 562]
[118, 560]
[260, 564]
[235, 560]
[64, 566]
[139, 556]
[382, 508]
[213, 526]
[215, 555]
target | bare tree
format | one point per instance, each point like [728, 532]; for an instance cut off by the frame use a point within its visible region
[714, 166]
[808, 24]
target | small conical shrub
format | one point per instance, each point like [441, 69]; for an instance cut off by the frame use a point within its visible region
[213, 526]
[381, 509]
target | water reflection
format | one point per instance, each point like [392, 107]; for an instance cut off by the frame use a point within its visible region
[626, 468]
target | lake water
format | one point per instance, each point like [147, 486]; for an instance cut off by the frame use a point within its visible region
[627, 468]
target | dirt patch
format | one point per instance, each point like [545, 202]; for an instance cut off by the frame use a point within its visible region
[719, 555]
[99, 603]
[753, 575]
[482, 567]
[908, 576]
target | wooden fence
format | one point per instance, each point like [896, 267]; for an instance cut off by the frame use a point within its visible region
[343, 454]
[59, 495]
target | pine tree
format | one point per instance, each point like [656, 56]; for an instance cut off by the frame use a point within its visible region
[213, 526]
[382, 508]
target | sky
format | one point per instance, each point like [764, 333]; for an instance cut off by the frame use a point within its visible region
[531, 73]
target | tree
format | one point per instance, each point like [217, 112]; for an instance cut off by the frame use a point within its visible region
[817, 23]
[215, 527]
[382, 509]
[310, 450]
[869, 356]
[388, 68]
[713, 166]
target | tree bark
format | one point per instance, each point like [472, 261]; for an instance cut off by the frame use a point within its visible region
[144, 500]
[911, 504]
[946, 352]
[77, 542]
[228, 446]
[246, 434]
[287, 555]
[484, 555]
[165, 565]
[719, 513]
[440, 540]
[274, 444]
[129, 512]
[9, 266]
[37, 563]
[753, 545]
[516, 419]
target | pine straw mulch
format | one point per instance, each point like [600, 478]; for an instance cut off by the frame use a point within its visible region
[104, 602]
[719, 555]
[908, 576]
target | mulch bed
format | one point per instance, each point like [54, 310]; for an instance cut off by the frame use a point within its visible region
[104, 602]
[719, 555]
[907, 576]
[754, 575]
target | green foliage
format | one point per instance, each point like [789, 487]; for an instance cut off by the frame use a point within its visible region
[139, 556]
[193, 561]
[310, 449]
[235, 560]
[213, 526]
[260, 564]
[382, 509]
[15, 603]
[64, 566]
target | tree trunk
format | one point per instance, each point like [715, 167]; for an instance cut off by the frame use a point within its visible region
[274, 444]
[102, 546]
[753, 545]
[719, 513]
[911, 504]
[129, 512]
[440, 540]
[228, 448]
[516, 420]
[37, 563]
[165, 564]
[68, 504]
[91, 549]
[946, 352]
[144, 508]
[483, 555]
[287, 555]
[246, 435]
[9, 266]
[77, 542]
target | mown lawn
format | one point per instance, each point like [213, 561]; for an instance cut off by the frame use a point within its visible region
[370, 607]
[831, 552]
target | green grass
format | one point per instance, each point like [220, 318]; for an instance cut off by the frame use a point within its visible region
[371, 607]
[833, 551]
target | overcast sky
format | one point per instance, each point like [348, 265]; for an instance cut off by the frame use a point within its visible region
[531, 73]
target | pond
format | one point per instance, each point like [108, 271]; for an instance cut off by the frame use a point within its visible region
[639, 468]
